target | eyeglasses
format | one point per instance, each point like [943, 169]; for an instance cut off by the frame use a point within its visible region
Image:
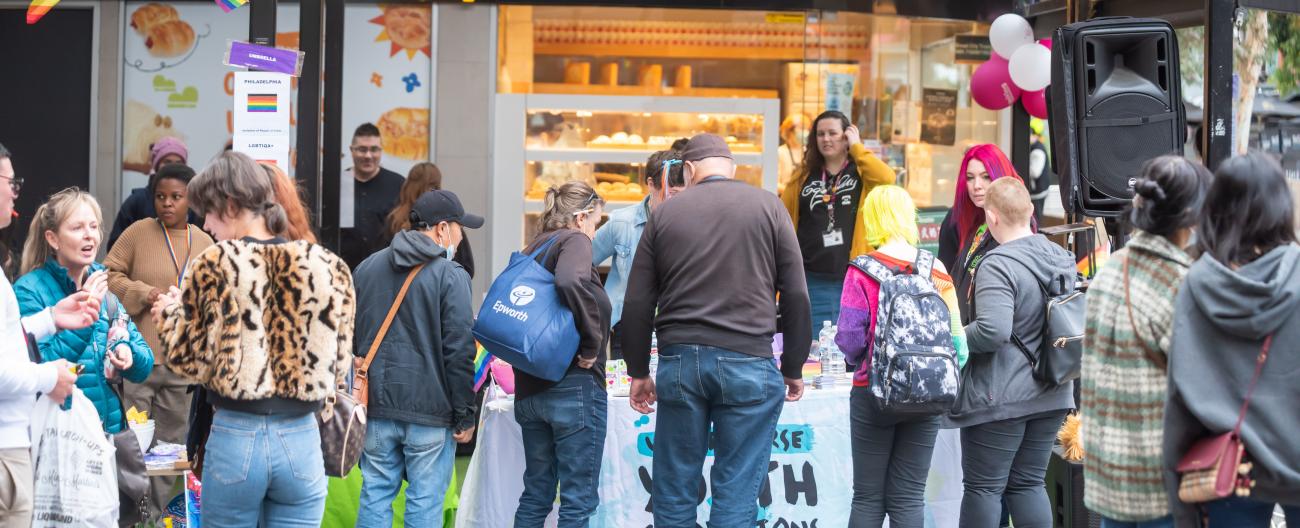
[14, 183]
[367, 150]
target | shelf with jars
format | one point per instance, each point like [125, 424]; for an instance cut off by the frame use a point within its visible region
[544, 140]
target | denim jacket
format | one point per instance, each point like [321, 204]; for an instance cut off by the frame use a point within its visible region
[618, 238]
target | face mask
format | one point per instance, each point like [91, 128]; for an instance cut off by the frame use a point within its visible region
[451, 251]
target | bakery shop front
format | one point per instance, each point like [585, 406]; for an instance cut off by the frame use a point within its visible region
[589, 92]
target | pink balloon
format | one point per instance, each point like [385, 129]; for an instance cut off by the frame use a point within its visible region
[1035, 103]
[991, 85]
[1046, 43]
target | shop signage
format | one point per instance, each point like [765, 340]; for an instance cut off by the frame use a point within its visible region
[929, 221]
[263, 58]
[938, 116]
[839, 92]
[261, 116]
[785, 18]
[973, 49]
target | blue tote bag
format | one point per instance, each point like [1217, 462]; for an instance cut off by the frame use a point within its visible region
[524, 322]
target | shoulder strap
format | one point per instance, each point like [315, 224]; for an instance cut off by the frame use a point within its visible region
[873, 268]
[1152, 355]
[541, 250]
[388, 320]
[1250, 390]
[924, 263]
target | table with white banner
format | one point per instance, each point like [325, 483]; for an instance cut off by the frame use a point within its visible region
[809, 483]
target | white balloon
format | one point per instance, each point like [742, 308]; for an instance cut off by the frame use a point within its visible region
[1008, 33]
[1031, 67]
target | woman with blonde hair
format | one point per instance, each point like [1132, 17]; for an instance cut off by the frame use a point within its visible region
[59, 260]
[891, 453]
[563, 422]
[264, 324]
[424, 177]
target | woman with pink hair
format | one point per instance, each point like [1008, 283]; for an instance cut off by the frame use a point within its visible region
[963, 238]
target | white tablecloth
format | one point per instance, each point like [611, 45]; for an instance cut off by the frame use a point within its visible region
[813, 480]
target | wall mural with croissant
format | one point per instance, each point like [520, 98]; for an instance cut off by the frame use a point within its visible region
[174, 82]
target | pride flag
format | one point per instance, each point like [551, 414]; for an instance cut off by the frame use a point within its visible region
[262, 102]
[481, 361]
[230, 5]
[38, 8]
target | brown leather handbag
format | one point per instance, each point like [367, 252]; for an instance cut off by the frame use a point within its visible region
[343, 421]
[1215, 467]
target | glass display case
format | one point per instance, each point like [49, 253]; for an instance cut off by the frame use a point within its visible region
[544, 140]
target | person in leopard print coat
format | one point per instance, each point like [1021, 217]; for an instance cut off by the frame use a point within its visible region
[264, 325]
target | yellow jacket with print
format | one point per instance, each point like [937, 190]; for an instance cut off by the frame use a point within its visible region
[873, 172]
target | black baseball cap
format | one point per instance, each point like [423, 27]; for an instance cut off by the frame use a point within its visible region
[442, 206]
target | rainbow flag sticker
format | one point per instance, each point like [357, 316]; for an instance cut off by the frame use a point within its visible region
[230, 5]
[262, 103]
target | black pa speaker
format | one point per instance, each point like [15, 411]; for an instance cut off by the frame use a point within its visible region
[1115, 102]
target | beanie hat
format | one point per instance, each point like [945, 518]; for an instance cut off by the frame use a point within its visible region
[165, 146]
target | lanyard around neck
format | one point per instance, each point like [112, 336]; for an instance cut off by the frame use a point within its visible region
[180, 266]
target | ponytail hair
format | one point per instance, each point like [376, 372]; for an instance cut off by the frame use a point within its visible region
[49, 217]
[1170, 192]
[232, 183]
[563, 202]
[289, 198]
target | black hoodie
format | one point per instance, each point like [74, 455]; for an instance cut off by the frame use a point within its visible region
[423, 372]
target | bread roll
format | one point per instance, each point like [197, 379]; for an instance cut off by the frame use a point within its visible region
[169, 39]
[150, 15]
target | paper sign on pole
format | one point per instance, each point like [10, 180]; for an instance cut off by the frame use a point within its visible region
[261, 116]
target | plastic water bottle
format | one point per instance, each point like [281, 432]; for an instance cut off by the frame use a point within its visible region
[654, 355]
[831, 357]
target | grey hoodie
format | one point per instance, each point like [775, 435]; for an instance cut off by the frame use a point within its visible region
[997, 381]
[1221, 318]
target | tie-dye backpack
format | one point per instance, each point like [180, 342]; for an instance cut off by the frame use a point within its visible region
[913, 362]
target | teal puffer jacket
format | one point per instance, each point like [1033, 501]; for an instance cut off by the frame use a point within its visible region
[46, 286]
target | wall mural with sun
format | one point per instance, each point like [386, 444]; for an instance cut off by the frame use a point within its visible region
[174, 83]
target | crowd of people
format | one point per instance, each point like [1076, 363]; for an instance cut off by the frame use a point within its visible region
[239, 328]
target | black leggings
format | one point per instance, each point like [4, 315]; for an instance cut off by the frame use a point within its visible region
[1008, 459]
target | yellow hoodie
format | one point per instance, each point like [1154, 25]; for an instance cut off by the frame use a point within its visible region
[871, 170]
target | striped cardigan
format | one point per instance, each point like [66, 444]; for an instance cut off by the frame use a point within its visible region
[1123, 389]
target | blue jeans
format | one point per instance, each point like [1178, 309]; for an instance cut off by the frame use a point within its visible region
[1240, 512]
[422, 454]
[740, 396]
[564, 443]
[1163, 522]
[824, 293]
[263, 470]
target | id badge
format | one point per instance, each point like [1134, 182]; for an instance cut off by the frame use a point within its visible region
[833, 238]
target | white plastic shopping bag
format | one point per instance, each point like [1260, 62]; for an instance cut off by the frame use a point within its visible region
[76, 472]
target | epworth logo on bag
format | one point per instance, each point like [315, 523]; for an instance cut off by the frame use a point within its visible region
[524, 322]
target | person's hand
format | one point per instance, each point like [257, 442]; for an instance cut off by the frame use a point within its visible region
[463, 437]
[118, 333]
[642, 395]
[67, 381]
[852, 134]
[122, 358]
[164, 300]
[153, 296]
[76, 311]
[794, 389]
[586, 363]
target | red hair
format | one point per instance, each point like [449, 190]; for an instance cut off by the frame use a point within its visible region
[287, 195]
[969, 217]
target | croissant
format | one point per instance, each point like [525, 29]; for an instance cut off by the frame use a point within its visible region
[151, 14]
[169, 39]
